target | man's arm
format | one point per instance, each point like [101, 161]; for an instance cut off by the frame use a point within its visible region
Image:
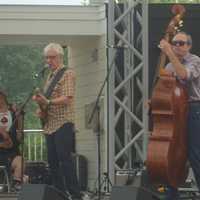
[179, 68]
[7, 141]
[68, 88]
[62, 100]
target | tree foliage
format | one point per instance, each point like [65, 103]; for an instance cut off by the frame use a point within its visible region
[18, 64]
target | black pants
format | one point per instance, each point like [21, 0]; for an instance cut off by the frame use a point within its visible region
[6, 159]
[193, 146]
[60, 145]
[194, 139]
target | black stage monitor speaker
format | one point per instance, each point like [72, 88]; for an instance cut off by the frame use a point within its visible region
[132, 193]
[40, 192]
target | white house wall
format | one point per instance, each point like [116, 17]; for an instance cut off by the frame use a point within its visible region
[91, 72]
[21, 23]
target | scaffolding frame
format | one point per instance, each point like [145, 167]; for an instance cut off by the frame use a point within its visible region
[127, 85]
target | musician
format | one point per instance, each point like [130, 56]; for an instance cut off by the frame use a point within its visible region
[10, 137]
[186, 67]
[59, 125]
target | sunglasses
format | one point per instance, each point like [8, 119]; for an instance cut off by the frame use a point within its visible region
[179, 43]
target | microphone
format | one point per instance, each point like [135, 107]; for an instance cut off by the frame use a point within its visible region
[41, 72]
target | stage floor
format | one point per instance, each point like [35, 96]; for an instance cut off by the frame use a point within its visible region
[187, 195]
[14, 196]
[10, 196]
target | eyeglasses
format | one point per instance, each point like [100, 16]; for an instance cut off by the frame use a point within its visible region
[51, 57]
[179, 43]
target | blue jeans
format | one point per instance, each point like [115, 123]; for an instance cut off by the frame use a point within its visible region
[59, 149]
[194, 139]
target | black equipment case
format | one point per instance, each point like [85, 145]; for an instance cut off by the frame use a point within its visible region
[81, 166]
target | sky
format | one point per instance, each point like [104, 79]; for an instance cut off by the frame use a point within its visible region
[49, 2]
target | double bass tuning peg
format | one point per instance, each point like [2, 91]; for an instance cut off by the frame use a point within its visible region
[180, 23]
[175, 28]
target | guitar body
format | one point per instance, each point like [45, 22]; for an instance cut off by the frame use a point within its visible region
[43, 114]
[43, 109]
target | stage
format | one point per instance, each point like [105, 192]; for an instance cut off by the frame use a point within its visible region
[10, 196]
[86, 196]
[184, 194]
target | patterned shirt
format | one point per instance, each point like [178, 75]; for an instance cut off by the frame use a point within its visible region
[192, 65]
[57, 115]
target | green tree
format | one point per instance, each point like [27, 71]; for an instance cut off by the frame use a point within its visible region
[18, 64]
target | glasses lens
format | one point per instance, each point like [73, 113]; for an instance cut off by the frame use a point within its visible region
[50, 56]
[179, 43]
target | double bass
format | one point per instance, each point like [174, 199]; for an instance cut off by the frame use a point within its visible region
[167, 148]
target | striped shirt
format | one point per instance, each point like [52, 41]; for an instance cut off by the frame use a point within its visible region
[192, 65]
[57, 115]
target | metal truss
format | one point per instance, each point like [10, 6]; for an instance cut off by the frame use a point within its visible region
[128, 84]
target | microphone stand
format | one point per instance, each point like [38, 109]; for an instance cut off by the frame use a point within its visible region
[96, 109]
[21, 112]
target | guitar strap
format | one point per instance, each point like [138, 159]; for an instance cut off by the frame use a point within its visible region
[53, 83]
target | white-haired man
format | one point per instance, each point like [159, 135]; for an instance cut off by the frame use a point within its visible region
[58, 104]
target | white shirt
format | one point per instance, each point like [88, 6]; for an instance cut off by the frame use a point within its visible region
[6, 120]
